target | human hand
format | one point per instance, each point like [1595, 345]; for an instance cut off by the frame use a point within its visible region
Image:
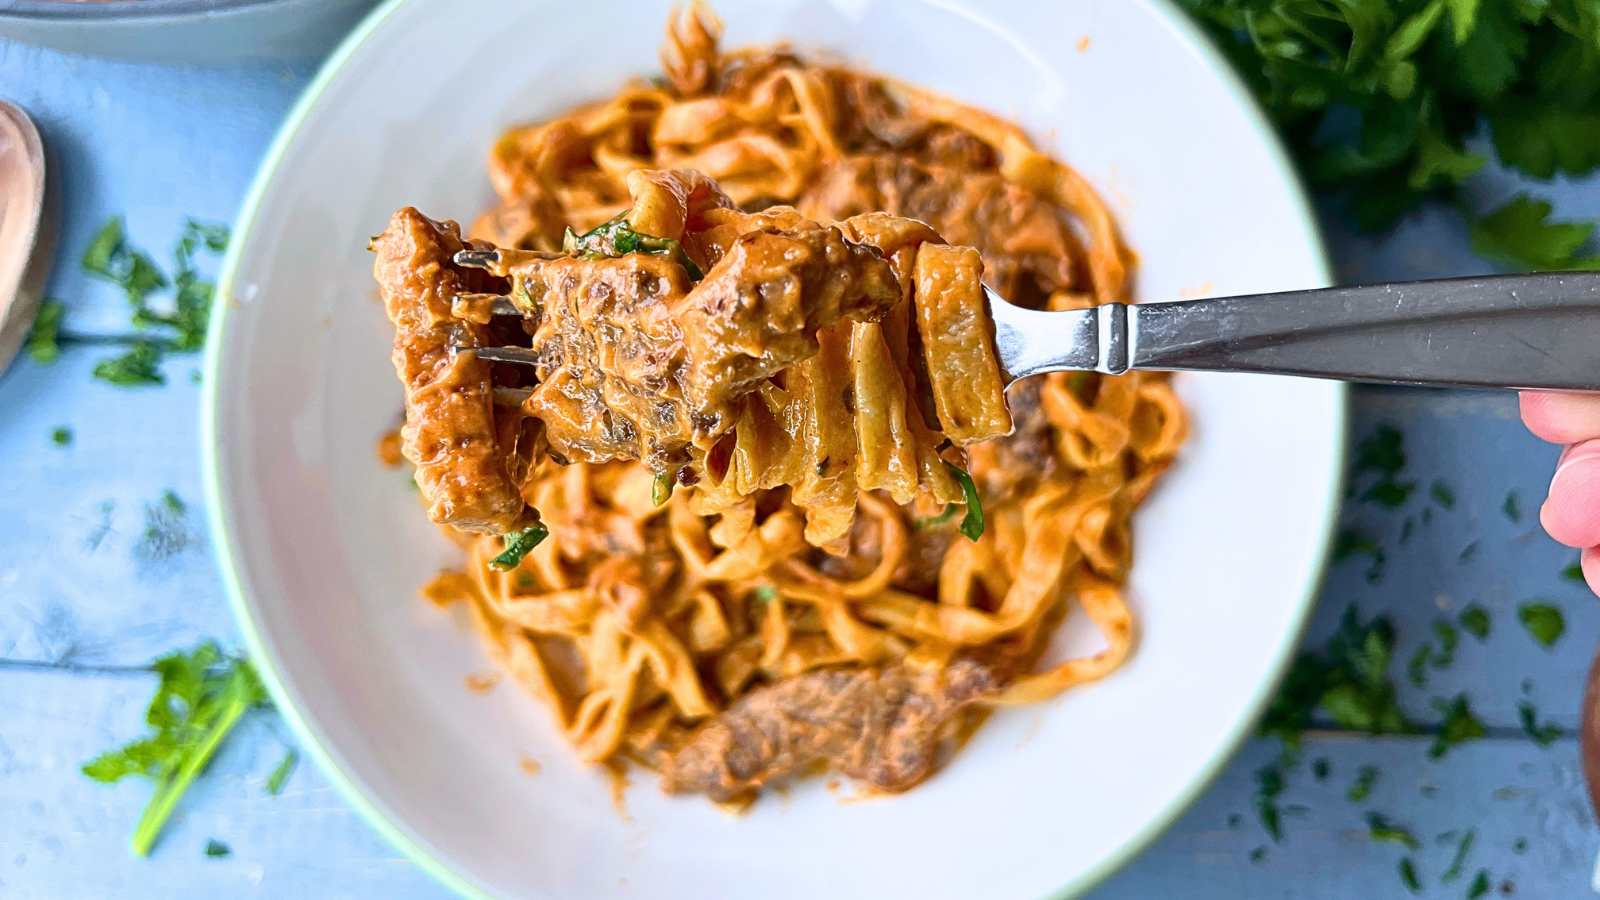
[1571, 514]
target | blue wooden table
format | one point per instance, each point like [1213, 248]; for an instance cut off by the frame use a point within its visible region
[86, 598]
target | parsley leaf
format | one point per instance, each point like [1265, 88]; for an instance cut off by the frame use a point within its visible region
[1573, 572]
[1543, 735]
[1459, 726]
[1520, 234]
[217, 849]
[1361, 788]
[1269, 785]
[615, 237]
[1475, 621]
[203, 694]
[1463, 848]
[44, 341]
[61, 436]
[282, 771]
[517, 545]
[1380, 828]
[1442, 494]
[1408, 876]
[971, 523]
[139, 365]
[1543, 621]
[1480, 885]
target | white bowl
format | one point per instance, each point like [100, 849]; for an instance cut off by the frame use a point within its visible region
[324, 549]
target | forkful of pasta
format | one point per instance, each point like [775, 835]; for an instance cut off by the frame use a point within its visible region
[742, 352]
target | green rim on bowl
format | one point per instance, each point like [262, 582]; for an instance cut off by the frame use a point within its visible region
[418, 849]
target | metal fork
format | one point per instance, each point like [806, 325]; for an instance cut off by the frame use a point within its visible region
[1507, 331]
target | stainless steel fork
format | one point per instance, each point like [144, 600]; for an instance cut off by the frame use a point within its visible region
[1506, 331]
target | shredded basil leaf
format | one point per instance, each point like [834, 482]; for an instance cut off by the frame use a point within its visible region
[972, 522]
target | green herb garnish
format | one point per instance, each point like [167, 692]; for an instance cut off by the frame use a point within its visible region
[1449, 639]
[1361, 788]
[1381, 829]
[518, 544]
[765, 593]
[1258, 855]
[1543, 621]
[217, 849]
[972, 522]
[1442, 494]
[1543, 735]
[1408, 875]
[1320, 767]
[661, 489]
[1459, 726]
[1463, 847]
[138, 365]
[1480, 885]
[282, 771]
[1351, 543]
[203, 694]
[61, 435]
[1349, 681]
[1381, 101]
[44, 341]
[1269, 786]
[1573, 573]
[1417, 665]
[615, 237]
[181, 323]
[1512, 507]
[1475, 621]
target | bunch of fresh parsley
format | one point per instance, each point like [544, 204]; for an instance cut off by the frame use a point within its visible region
[1388, 104]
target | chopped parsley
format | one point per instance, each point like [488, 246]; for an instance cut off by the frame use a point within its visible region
[1512, 507]
[217, 849]
[1467, 553]
[1463, 847]
[971, 523]
[1381, 829]
[517, 545]
[1480, 885]
[1449, 639]
[615, 237]
[1258, 855]
[1460, 725]
[1351, 543]
[202, 696]
[1475, 621]
[176, 325]
[1269, 786]
[61, 436]
[1408, 875]
[1349, 682]
[661, 488]
[1320, 767]
[1442, 494]
[44, 341]
[1543, 735]
[1361, 788]
[1543, 621]
[765, 593]
[1573, 572]
[1417, 665]
[282, 771]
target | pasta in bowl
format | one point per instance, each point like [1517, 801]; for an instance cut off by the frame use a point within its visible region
[328, 550]
[821, 389]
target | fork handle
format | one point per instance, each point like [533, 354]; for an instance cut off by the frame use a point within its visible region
[1509, 331]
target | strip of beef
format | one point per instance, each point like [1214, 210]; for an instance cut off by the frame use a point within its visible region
[638, 363]
[882, 726]
[449, 433]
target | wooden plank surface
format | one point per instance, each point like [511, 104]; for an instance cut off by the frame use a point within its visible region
[85, 598]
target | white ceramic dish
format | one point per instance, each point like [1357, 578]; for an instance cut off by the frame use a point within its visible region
[324, 549]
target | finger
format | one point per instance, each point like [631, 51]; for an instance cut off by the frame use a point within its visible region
[1561, 418]
[1571, 514]
[1591, 567]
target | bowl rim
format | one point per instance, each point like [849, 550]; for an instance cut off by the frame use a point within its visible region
[123, 10]
[418, 849]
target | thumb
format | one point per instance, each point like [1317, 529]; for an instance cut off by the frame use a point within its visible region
[1571, 514]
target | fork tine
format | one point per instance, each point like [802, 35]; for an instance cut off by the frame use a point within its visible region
[522, 356]
[510, 396]
[478, 259]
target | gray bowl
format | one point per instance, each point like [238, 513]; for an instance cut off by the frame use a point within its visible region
[195, 31]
